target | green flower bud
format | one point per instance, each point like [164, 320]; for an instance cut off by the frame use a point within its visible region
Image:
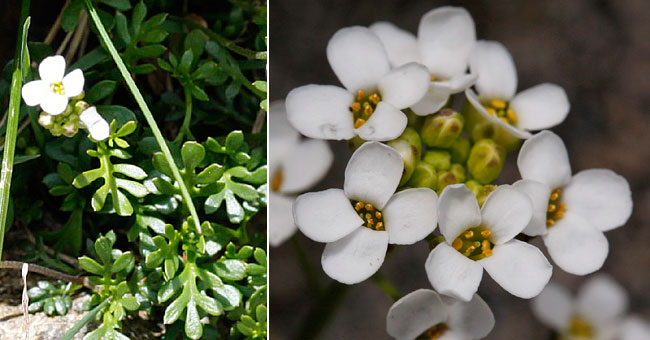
[441, 129]
[459, 171]
[444, 179]
[46, 120]
[424, 176]
[460, 150]
[480, 128]
[80, 107]
[70, 129]
[486, 160]
[411, 135]
[440, 159]
[407, 151]
[480, 191]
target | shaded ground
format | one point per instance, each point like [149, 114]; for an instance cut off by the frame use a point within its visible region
[597, 50]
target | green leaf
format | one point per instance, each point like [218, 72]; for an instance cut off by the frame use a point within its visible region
[87, 177]
[186, 62]
[206, 70]
[90, 265]
[154, 22]
[211, 174]
[130, 302]
[122, 28]
[130, 170]
[150, 51]
[260, 85]
[155, 36]
[192, 154]
[139, 13]
[195, 41]
[199, 94]
[127, 129]
[232, 270]
[160, 163]
[100, 91]
[71, 15]
[120, 113]
[229, 296]
[122, 5]
[234, 140]
[123, 262]
[103, 248]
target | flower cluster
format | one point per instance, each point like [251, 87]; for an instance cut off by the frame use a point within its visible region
[436, 168]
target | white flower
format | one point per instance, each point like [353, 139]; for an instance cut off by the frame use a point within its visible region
[360, 221]
[571, 212]
[537, 108]
[98, 128]
[369, 105]
[478, 239]
[597, 312]
[295, 165]
[423, 312]
[445, 39]
[53, 90]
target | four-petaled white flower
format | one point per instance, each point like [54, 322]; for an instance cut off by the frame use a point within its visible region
[446, 36]
[360, 221]
[98, 128]
[423, 312]
[571, 212]
[369, 105]
[295, 165]
[482, 238]
[53, 90]
[537, 108]
[597, 312]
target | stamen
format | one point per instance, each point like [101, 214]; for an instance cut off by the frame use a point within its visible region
[367, 109]
[374, 98]
[555, 210]
[551, 208]
[486, 233]
[380, 226]
[356, 106]
[359, 123]
[469, 234]
[358, 206]
[457, 244]
[498, 104]
[360, 95]
[512, 117]
[57, 88]
[378, 215]
[276, 181]
[474, 243]
[371, 216]
[433, 78]
[555, 194]
[491, 111]
[369, 207]
[549, 222]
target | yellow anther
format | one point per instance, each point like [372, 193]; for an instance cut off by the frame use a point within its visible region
[276, 181]
[469, 250]
[503, 119]
[378, 215]
[359, 123]
[356, 106]
[498, 104]
[374, 98]
[555, 195]
[360, 95]
[380, 226]
[491, 111]
[487, 252]
[485, 244]
[57, 88]
[486, 233]
[551, 207]
[469, 234]
[369, 207]
[457, 244]
[367, 109]
[368, 216]
[549, 222]
[511, 116]
[432, 77]
[562, 206]
[558, 215]
[358, 206]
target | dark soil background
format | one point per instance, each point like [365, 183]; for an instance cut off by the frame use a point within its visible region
[599, 51]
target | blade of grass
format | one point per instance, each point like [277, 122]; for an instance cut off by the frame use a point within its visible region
[145, 110]
[22, 67]
[86, 319]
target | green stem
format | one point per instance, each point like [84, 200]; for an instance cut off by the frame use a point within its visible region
[310, 273]
[11, 134]
[323, 311]
[250, 54]
[387, 286]
[146, 112]
[185, 128]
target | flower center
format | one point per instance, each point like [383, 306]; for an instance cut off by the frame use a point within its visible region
[434, 332]
[474, 243]
[276, 180]
[555, 209]
[580, 328]
[57, 88]
[363, 107]
[501, 110]
[371, 216]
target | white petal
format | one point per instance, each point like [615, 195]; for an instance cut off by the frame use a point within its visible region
[97, 126]
[600, 196]
[357, 57]
[411, 215]
[53, 103]
[457, 84]
[601, 299]
[415, 313]
[575, 245]
[539, 195]
[476, 103]
[451, 334]
[373, 173]
[321, 111]
[635, 328]
[553, 306]
[52, 69]
[446, 36]
[73, 83]
[90, 116]
[401, 46]
[518, 267]
[34, 91]
[355, 257]
[306, 165]
[281, 226]
[282, 136]
[544, 158]
[325, 216]
[458, 211]
[453, 274]
[386, 123]
[540, 107]
[405, 85]
[473, 319]
[434, 100]
[497, 75]
[506, 212]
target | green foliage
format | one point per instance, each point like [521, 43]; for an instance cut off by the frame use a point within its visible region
[50, 298]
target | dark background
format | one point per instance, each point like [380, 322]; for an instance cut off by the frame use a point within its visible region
[599, 51]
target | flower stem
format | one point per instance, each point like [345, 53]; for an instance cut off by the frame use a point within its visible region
[185, 128]
[146, 112]
[384, 283]
[310, 273]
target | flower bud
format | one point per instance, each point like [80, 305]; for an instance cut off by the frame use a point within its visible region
[441, 129]
[80, 107]
[355, 142]
[459, 171]
[480, 191]
[444, 179]
[486, 160]
[440, 159]
[46, 120]
[407, 151]
[460, 150]
[424, 176]
[480, 128]
[411, 135]
[70, 129]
